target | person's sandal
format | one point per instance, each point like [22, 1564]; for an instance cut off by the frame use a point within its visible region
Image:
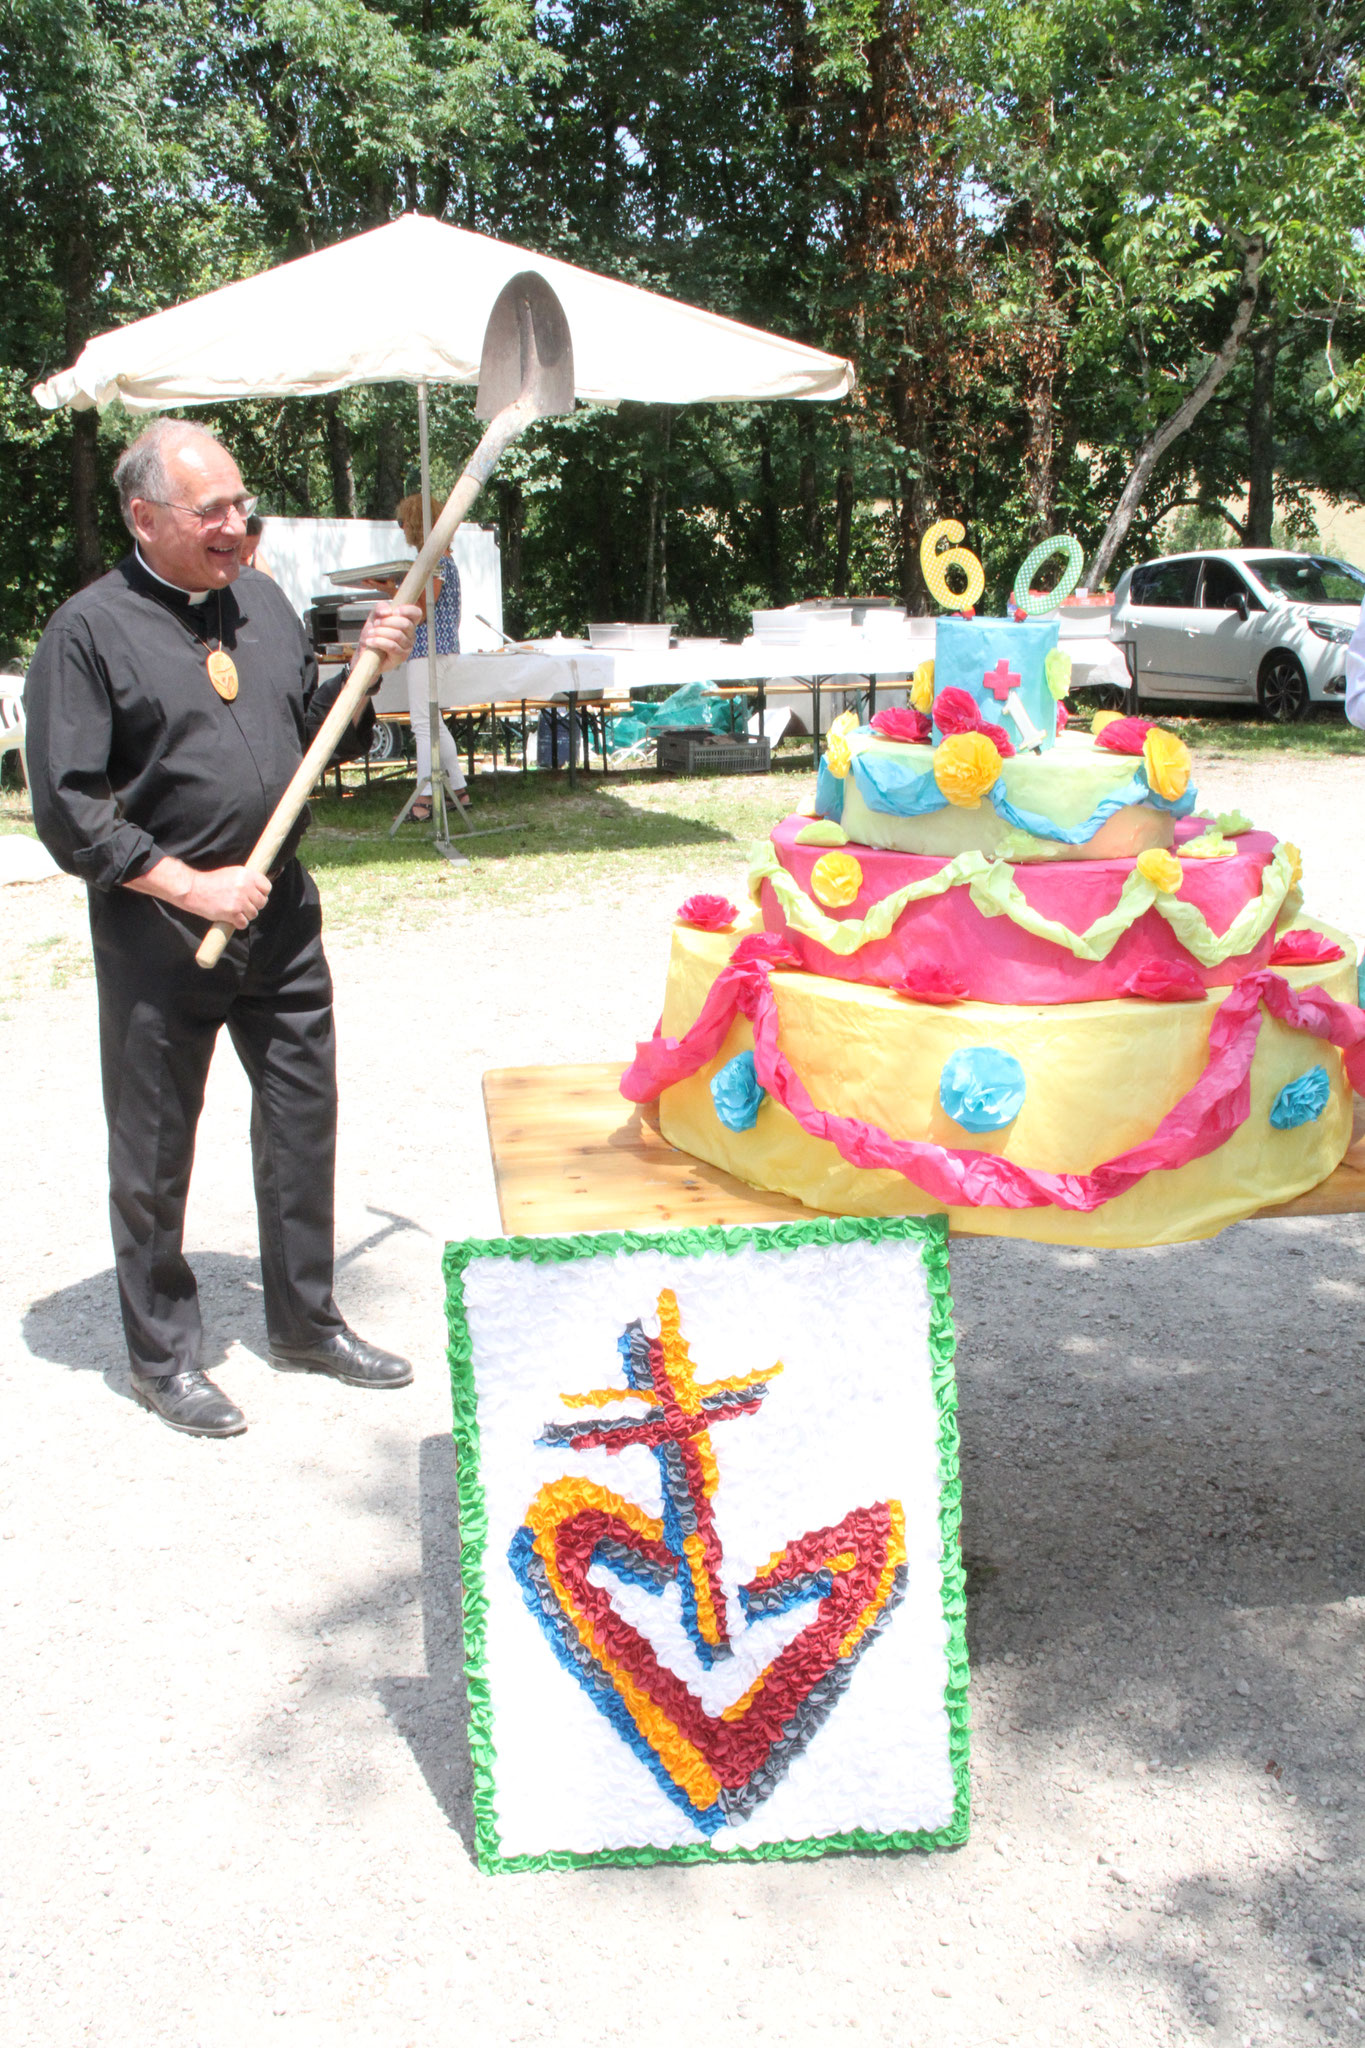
[420, 814]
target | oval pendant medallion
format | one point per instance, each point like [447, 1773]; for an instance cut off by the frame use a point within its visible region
[223, 674]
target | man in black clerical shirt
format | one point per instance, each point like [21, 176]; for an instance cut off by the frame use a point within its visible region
[168, 707]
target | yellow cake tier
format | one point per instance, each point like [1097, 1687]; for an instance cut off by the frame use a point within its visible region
[1100, 1078]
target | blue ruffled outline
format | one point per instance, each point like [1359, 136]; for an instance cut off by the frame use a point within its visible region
[899, 792]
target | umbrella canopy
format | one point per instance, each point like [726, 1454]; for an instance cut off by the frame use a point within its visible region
[408, 303]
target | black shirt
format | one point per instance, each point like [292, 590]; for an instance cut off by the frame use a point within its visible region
[132, 753]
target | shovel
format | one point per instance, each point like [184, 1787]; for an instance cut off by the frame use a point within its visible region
[525, 374]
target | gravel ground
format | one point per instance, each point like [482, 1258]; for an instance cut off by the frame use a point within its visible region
[235, 1788]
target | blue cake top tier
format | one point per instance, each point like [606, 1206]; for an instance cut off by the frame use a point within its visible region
[989, 659]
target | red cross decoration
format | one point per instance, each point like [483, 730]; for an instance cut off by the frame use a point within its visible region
[1000, 680]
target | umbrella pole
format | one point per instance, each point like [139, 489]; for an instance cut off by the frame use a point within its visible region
[440, 787]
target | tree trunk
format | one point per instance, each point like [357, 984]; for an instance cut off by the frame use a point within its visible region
[511, 511]
[655, 605]
[388, 473]
[912, 592]
[1265, 347]
[1156, 444]
[339, 458]
[769, 517]
[843, 527]
[812, 524]
[606, 549]
[85, 520]
[88, 559]
[651, 543]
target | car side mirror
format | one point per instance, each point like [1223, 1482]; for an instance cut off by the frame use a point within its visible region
[1239, 605]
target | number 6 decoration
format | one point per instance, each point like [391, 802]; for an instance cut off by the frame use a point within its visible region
[934, 566]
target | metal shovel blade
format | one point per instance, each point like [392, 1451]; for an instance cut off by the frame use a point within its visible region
[527, 352]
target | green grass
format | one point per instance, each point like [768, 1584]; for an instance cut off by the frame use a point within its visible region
[607, 833]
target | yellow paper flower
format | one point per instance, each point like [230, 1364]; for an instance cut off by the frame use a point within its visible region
[1167, 761]
[1101, 719]
[836, 879]
[838, 759]
[1161, 869]
[965, 767]
[847, 721]
[1295, 863]
[922, 687]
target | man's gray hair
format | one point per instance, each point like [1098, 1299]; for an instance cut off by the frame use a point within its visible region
[140, 471]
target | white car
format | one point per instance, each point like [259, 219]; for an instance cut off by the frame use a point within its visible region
[1239, 625]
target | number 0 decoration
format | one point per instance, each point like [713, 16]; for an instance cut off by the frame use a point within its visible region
[708, 1492]
[1048, 600]
[934, 566]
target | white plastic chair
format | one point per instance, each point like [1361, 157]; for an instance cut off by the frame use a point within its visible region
[12, 720]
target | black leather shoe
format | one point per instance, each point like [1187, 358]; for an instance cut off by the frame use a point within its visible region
[344, 1356]
[189, 1402]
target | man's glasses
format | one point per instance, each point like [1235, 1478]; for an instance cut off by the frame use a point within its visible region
[216, 514]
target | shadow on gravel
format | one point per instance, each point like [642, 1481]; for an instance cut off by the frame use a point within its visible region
[79, 1326]
[1164, 1523]
[431, 1713]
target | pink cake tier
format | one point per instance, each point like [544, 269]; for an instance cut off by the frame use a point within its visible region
[960, 941]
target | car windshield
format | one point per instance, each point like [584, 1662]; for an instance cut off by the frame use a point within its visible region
[1311, 579]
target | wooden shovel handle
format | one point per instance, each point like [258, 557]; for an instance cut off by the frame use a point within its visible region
[503, 429]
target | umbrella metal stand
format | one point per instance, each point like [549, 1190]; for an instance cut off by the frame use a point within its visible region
[445, 802]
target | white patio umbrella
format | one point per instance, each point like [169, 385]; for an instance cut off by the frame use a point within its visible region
[408, 303]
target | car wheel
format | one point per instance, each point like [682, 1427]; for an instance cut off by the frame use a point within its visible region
[1105, 697]
[387, 744]
[1283, 689]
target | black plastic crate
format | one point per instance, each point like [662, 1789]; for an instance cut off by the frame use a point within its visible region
[693, 750]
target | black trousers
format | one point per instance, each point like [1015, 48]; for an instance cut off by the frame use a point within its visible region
[159, 1019]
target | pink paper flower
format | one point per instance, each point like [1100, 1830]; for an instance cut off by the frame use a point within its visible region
[1124, 735]
[708, 913]
[1304, 949]
[930, 983]
[1165, 981]
[903, 722]
[769, 948]
[956, 711]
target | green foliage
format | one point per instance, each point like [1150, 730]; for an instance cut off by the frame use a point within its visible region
[1026, 222]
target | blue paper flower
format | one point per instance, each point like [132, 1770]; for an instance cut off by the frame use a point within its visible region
[1301, 1101]
[1360, 985]
[982, 1089]
[737, 1093]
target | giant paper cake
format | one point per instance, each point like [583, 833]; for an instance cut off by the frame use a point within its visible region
[1010, 972]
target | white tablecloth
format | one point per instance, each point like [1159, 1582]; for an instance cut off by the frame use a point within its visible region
[548, 669]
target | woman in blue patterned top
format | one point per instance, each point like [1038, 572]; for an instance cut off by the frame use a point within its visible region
[447, 582]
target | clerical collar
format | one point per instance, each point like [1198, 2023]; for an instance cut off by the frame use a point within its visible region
[192, 596]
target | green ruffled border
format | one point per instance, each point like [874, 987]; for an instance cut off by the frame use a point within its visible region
[996, 893]
[930, 1233]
